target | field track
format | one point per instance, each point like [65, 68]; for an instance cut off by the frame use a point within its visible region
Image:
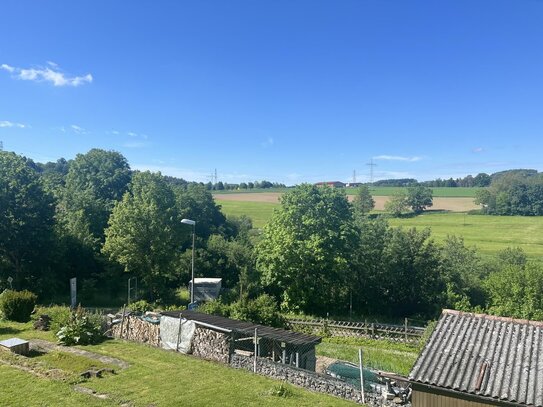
[452, 204]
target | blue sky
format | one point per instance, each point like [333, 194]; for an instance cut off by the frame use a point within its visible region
[288, 91]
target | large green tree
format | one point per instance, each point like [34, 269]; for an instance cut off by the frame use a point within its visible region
[26, 220]
[419, 198]
[306, 248]
[95, 181]
[144, 234]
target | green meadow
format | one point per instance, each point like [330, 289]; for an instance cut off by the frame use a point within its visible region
[259, 212]
[489, 234]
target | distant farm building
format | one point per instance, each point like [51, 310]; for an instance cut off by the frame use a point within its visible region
[333, 184]
[477, 360]
[354, 184]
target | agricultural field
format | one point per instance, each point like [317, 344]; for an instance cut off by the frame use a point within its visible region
[438, 192]
[489, 234]
[154, 377]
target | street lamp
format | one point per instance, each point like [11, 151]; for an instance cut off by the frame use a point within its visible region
[193, 224]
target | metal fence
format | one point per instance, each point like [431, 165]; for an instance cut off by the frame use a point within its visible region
[374, 330]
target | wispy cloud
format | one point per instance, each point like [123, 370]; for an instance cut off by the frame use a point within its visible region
[478, 150]
[8, 124]
[78, 129]
[267, 143]
[397, 158]
[50, 73]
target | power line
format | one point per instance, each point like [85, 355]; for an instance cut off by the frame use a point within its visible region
[354, 176]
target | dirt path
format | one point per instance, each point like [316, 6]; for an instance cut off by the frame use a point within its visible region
[447, 204]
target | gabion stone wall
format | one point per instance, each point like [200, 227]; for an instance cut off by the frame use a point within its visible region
[306, 379]
[211, 345]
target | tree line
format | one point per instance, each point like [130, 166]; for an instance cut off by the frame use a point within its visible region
[95, 219]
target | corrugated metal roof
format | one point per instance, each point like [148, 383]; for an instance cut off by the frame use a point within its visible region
[483, 355]
[247, 328]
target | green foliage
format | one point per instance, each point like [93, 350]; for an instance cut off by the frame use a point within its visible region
[95, 181]
[305, 251]
[363, 202]
[82, 328]
[515, 291]
[262, 310]
[144, 232]
[140, 306]
[215, 307]
[26, 221]
[397, 204]
[17, 305]
[419, 198]
[281, 390]
[513, 193]
[60, 315]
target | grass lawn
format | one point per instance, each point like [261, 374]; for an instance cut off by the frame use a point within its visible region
[378, 354]
[488, 233]
[259, 212]
[155, 377]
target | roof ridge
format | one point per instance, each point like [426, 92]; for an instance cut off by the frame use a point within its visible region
[494, 317]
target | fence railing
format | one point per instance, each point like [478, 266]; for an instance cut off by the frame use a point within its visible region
[374, 330]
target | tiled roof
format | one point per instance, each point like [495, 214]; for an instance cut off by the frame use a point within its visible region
[483, 355]
[247, 328]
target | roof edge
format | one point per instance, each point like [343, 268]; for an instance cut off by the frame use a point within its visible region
[493, 317]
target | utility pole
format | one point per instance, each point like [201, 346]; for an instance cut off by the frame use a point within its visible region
[371, 164]
[354, 176]
[1, 146]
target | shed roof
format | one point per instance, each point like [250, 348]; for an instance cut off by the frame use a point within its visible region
[246, 328]
[483, 355]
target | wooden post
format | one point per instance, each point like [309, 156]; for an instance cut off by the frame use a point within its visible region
[405, 329]
[373, 330]
[366, 326]
[297, 359]
[256, 349]
[178, 334]
[122, 324]
[284, 358]
[360, 365]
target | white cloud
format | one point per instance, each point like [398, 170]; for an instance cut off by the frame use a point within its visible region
[51, 73]
[397, 158]
[78, 129]
[132, 134]
[6, 67]
[6, 123]
[137, 135]
[478, 150]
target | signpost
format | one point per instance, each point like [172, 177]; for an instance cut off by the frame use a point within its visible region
[73, 292]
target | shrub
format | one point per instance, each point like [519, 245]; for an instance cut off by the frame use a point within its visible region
[17, 305]
[82, 328]
[215, 307]
[140, 306]
[59, 314]
[262, 310]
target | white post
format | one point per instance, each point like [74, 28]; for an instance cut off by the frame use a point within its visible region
[297, 359]
[179, 333]
[361, 375]
[256, 348]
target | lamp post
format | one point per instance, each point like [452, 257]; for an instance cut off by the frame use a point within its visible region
[193, 224]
